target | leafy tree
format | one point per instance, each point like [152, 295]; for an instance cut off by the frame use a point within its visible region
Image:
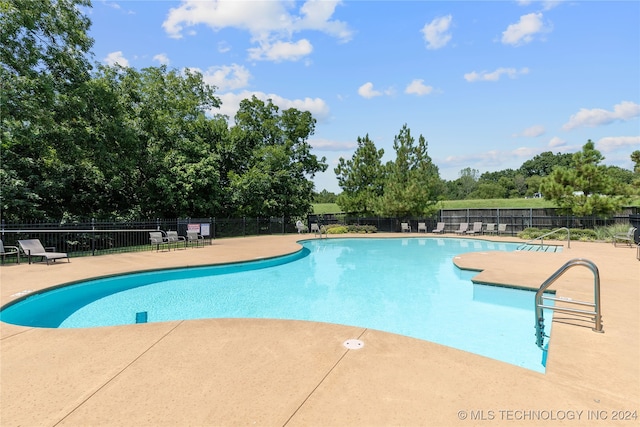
[361, 178]
[584, 188]
[44, 65]
[412, 186]
[544, 163]
[271, 173]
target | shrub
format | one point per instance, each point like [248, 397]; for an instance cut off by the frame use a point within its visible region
[353, 228]
[576, 234]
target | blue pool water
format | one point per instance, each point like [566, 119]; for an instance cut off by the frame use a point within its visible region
[407, 286]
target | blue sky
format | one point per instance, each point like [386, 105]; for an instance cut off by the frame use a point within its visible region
[489, 84]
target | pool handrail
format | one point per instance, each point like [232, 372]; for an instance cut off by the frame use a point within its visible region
[541, 238]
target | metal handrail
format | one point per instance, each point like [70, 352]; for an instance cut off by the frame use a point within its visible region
[541, 238]
[539, 306]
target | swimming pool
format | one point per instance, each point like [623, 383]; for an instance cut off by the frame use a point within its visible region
[407, 286]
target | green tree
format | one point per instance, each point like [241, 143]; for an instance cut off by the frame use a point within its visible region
[361, 178]
[544, 163]
[412, 185]
[273, 165]
[584, 188]
[44, 50]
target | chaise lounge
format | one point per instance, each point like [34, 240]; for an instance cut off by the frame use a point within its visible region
[33, 248]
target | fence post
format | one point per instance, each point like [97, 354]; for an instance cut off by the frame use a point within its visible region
[93, 236]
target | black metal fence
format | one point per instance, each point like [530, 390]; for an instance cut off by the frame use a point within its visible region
[105, 237]
[515, 219]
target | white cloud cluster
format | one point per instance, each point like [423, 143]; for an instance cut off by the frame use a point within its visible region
[524, 31]
[231, 103]
[226, 77]
[495, 75]
[271, 24]
[612, 143]
[626, 110]
[417, 87]
[321, 144]
[114, 58]
[162, 58]
[436, 33]
[532, 131]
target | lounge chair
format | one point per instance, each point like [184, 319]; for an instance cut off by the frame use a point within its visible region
[406, 228]
[301, 227]
[464, 226]
[626, 238]
[33, 248]
[314, 227]
[157, 238]
[194, 237]
[477, 228]
[502, 228]
[9, 250]
[439, 228]
[422, 226]
[490, 228]
[172, 237]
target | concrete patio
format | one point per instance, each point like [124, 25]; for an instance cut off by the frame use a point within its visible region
[228, 372]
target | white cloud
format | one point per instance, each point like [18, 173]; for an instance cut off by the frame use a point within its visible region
[494, 75]
[231, 103]
[626, 110]
[532, 131]
[280, 51]
[417, 87]
[557, 142]
[223, 47]
[116, 58]
[162, 58]
[320, 144]
[226, 77]
[367, 91]
[524, 30]
[612, 143]
[546, 4]
[436, 32]
[270, 24]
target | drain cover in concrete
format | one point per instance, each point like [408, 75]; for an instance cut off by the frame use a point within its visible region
[353, 344]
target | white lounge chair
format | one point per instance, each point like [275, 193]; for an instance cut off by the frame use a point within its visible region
[157, 238]
[464, 226]
[490, 228]
[315, 228]
[626, 238]
[439, 228]
[502, 228]
[33, 248]
[477, 228]
[406, 228]
[194, 237]
[301, 227]
[9, 250]
[422, 226]
[172, 237]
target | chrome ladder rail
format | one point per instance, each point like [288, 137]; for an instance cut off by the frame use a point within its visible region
[595, 305]
[541, 238]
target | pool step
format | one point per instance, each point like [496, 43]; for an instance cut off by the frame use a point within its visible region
[540, 248]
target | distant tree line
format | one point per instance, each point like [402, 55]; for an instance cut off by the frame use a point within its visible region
[119, 143]
[411, 186]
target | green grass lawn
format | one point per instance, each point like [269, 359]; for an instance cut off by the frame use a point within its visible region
[327, 208]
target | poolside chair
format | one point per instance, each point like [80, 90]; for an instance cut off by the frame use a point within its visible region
[439, 228]
[422, 226]
[301, 227]
[464, 226]
[477, 228]
[9, 250]
[626, 238]
[490, 228]
[502, 228]
[158, 239]
[406, 228]
[314, 227]
[33, 248]
[172, 237]
[194, 237]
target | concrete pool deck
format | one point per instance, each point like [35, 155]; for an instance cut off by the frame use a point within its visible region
[227, 372]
